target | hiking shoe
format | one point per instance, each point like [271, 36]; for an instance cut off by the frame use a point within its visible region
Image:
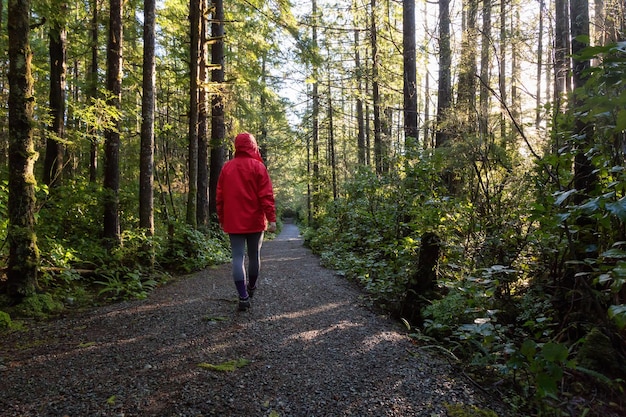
[251, 291]
[244, 304]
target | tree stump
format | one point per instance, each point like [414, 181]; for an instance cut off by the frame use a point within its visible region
[422, 283]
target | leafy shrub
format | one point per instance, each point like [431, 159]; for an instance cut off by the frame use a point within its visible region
[5, 321]
[191, 249]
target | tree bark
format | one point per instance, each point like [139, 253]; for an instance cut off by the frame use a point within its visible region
[55, 151]
[146, 162]
[585, 178]
[192, 194]
[466, 91]
[561, 52]
[502, 71]
[112, 233]
[23, 253]
[218, 126]
[92, 90]
[315, 114]
[379, 157]
[332, 162]
[423, 281]
[485, 75]
[361, 147]
[202, 210]
[444, 92]
[411, 132]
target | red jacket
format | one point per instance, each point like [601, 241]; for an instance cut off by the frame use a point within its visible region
[245, 198]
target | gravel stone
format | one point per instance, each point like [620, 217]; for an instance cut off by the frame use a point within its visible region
[312, 347]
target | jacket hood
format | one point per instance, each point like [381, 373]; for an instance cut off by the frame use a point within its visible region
[245, 145]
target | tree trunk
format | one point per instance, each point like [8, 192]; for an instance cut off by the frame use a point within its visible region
[331, 140]
[444, 92]
[516, 70]
[92, 91]
[53, 162]
[202, 210]
[485, 75]
[585, 178]
[423, 281]
[539, 65]
[466, 91]
[315, 112]
[379, 157]
[361, 147]
[192, 195]
[561, 52]
[112, 233]
[23, 253]
[146, 162]
[502, 72]
[411, 132]
[218, 125]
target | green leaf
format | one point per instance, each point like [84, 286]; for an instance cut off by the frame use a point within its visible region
[618, 208]
[621, 121]
[554, 352]
[528, 349]
[591, 205]
[561, 196]
[546, 385]
[617, 313]
[216, 318]
[614, 253]
[227, 366]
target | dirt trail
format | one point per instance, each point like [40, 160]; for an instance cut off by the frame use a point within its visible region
[307, 347]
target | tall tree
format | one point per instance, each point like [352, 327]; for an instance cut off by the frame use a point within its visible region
[539, 65]
[315, 100]
[502, 70]
[379, 157]
[516, 66]
[485, 64]
[53, 162]
[23, 253]
[466, 90]
[146, 161]
[332, 160]
[112, 232]
[361, 146]
[561, 54]
[585, 177]
[92, 89]
[218, 125]
[202, 210]
[444, 90]
[192, 168]
[411, 131]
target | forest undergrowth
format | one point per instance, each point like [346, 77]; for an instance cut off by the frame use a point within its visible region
[502, 307]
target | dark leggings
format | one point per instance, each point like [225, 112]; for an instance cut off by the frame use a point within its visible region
[238, 243]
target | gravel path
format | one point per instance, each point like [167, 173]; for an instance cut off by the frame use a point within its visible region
[308, 347]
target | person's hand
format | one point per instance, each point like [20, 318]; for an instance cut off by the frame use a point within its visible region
[271, 227]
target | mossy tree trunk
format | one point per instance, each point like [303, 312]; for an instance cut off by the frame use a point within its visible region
[23, 252]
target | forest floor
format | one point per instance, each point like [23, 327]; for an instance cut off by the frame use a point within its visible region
[309, 346]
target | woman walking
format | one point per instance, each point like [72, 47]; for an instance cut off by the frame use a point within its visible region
[245, 208]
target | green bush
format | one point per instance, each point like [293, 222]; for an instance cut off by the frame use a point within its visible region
[190, 249]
